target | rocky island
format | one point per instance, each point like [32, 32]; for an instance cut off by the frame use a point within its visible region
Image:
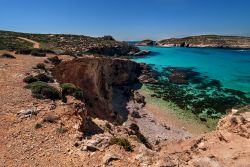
[146, 42]
[68, 100]
[202, 41]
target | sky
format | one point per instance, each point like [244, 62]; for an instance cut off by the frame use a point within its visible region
[127, 19]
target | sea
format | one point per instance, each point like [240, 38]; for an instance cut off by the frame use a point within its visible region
[206, 81]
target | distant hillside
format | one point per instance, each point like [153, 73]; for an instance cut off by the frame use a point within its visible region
[61, 43]
[214, 41]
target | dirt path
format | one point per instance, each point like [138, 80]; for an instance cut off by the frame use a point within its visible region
[35, 44]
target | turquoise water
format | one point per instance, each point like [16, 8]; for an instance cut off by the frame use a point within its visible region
[210, 74]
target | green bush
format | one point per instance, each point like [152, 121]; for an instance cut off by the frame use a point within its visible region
[38, 126]
[39, 77]
[42, 90]
[30, 79]
[9, 56]
[61, 130]
[23, 51]
[55, 60]
[38, 53]
[40, 66]
[122, 142]
[44, 78]
[70, 53]
[33, 52]
[70, 89]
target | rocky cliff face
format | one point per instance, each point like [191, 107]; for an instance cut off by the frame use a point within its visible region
[101, 79]
[214, 41]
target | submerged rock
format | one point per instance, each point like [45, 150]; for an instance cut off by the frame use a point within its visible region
[142, 53]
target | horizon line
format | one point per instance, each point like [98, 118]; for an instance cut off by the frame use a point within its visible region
[93, 36]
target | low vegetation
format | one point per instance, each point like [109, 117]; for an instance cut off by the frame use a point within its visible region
[55, 60]
[39, 77]
[63, 44]
[38, 53]
[61, 130]
[34, 52]
[72, 90]
[10, 42]
[42, 90]
[40, 66]
[30, 79]
[121, 142]
[8, 56]
[38, 126]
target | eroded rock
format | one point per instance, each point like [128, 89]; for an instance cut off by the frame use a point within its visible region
[27, 113]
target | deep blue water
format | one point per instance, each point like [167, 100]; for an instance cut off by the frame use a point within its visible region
[211, 75]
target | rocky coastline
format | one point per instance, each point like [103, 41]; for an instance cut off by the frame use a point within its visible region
[86, 110]
[203, 41]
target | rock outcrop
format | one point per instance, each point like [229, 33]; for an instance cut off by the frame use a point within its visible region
[203, 41]
[106, 83]
[146, 42]
[139, 53]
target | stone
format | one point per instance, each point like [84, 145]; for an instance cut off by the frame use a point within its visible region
[89, 148]
[135, 114]
[142, 53]
[108, 158]
[166, 126]
[27, 113]
[204, 161]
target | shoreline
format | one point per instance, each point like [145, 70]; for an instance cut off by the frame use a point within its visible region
[194, 47]
[169, 113]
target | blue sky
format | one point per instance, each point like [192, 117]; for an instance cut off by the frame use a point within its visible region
[127, 19]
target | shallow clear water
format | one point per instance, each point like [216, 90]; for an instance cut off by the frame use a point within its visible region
[231, 68]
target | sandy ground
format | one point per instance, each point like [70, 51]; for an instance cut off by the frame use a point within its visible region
[20, 143]
[168, 115]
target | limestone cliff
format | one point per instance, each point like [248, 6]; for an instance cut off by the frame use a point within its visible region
[213, 41]
[100, 78]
